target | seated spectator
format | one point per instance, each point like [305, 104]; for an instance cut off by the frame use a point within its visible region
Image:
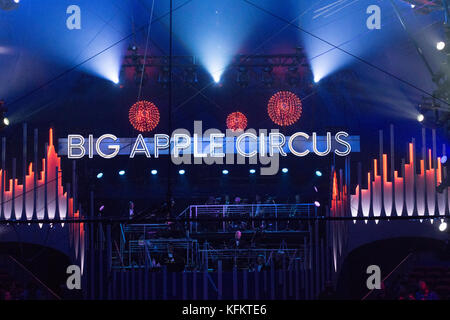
[260, 263]
[424, 292]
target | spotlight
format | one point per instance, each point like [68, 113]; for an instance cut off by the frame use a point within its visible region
[100, 175]
[285, 170]
[121, 172]
[413, 6]
[133, 48]
[3, 110]
[315, 189]
[181, 172]
[101, 208]
[216, 77]
[318, 173]
[440, 45]
[252, 171]
[317, 203]
[225, 171]
[154, 172]
[443, 226]
[316, 79]
[420, 117]
[444, 160]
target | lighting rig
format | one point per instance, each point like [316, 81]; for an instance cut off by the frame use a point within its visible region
[435, 111]
[247, 68]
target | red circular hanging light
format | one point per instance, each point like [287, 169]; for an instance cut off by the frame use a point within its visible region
[144, 116]
[236, 121]
[284, 108]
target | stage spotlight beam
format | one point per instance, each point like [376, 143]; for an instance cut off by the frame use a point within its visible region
[440, 45]
[154, 172]
[121, 172]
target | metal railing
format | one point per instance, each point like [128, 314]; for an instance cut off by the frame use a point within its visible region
[247, 258]
[140, 245]
[238, 216]
[151, 252]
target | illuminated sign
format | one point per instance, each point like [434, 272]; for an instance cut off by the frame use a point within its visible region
[213, 146]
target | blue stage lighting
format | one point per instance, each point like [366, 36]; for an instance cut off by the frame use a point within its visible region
[100, 175]
[216, 77]
[121, 172]
[181, 172]
[154, 172]
[443, 159]
[285, 170]
[317, 203]
[318, 173]
[252, 171]
[225, 171]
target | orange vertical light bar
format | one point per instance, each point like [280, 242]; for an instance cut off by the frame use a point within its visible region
[375, 168]
[430, 161]
[385, 167]
[439, 171]
[411, 153]
[50, 137]
[335, 187]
